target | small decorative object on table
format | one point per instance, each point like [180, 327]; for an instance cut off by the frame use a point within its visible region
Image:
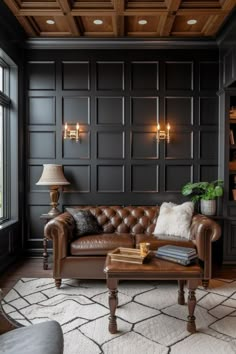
[129, 255]
[177, 254]
[144, 248]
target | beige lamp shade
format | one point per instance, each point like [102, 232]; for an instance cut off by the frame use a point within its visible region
[52, 176]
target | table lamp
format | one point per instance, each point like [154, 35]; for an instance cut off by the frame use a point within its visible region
[53, 177]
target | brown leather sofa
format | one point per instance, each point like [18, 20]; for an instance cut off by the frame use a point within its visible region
[84, 257]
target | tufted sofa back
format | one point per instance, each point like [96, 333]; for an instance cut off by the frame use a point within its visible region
[128, 219]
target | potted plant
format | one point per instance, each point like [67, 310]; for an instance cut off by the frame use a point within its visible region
[206, 193]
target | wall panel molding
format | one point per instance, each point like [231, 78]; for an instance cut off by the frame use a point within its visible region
[118, 98]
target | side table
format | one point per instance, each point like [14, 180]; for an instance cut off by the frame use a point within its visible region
[46, 218]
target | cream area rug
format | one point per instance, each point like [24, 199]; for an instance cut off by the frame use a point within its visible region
[149, 319]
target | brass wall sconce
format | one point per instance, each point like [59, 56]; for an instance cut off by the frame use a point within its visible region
[72, 132]
[163, 134]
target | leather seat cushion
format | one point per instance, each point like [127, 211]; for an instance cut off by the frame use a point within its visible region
[41, 338]
[156, 242]
[93, 245]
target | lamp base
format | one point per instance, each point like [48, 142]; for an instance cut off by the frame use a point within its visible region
[54, 212]
[54, 196]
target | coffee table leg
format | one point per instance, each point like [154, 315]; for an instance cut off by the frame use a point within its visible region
[192, 286]
[113, 302]
[181, 300]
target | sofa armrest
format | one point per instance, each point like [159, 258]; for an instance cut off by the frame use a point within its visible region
[60, 231]
[204, 231]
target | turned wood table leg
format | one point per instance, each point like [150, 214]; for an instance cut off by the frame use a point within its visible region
[113, 302]
[192, 286]
[45, 254]
[205, 283]
[181, 300]
[58, 283]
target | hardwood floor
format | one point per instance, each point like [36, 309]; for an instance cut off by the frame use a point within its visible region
[33, 268]
[27, 268]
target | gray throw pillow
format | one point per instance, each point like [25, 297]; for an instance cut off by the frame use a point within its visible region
[86, 223]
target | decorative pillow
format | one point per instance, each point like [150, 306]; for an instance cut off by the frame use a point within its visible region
[86, 223]
[174, 220]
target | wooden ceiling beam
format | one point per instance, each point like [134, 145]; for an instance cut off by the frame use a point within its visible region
[187, 34]
[65, 7]
[192, 12]
[167, 25]
[55, 34]
[145, 5]
[99, 34]
[40, 12]
[208, 25]
[173, 5]
[142, 34]
[118, 23]
[144, 12]
[118, 20]
[28, 26]
[212, 26]
[13, 6]
[93, 12]
[228, 4]
[198, 4]
[34, 24]
[92, 5]
[39, 4]
[72, 25]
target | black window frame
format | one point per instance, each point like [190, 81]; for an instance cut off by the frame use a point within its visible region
[5, 102]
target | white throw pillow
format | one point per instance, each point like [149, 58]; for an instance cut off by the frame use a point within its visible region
[175, 220]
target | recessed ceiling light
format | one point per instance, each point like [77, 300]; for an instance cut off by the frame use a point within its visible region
[142, 22]
[50, 22]
[191, 22]
[98, 22]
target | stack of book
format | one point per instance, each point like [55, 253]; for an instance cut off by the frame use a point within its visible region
[178, 254]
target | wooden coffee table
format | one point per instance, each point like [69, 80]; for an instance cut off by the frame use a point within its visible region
[153, 269]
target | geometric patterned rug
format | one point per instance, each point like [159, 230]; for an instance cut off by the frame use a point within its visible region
[148, 317]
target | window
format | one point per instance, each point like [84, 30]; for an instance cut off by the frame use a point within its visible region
[1, 79]
[1, 160]
[8, 139]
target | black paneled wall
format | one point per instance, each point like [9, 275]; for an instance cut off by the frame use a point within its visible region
[118, 98]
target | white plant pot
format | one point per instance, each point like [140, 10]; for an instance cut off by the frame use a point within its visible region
[208, 207]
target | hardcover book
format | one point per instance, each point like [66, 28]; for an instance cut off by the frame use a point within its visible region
[178, 250]
[175, 260]
[178, 256]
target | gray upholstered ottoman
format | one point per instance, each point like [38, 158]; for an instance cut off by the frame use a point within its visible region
[41, 338]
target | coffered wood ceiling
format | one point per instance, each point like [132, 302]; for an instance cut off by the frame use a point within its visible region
[165, 18]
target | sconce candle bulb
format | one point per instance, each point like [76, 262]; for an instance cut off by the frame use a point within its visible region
[65, 130]
[72, 132]
[77, 132]
[163, 134]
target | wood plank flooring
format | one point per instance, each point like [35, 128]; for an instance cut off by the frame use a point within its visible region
[33, 268]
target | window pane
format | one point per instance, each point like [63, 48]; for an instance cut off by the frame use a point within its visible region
[1, 78]
[1, 161]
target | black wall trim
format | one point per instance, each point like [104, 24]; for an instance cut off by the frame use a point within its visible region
[121, 43]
